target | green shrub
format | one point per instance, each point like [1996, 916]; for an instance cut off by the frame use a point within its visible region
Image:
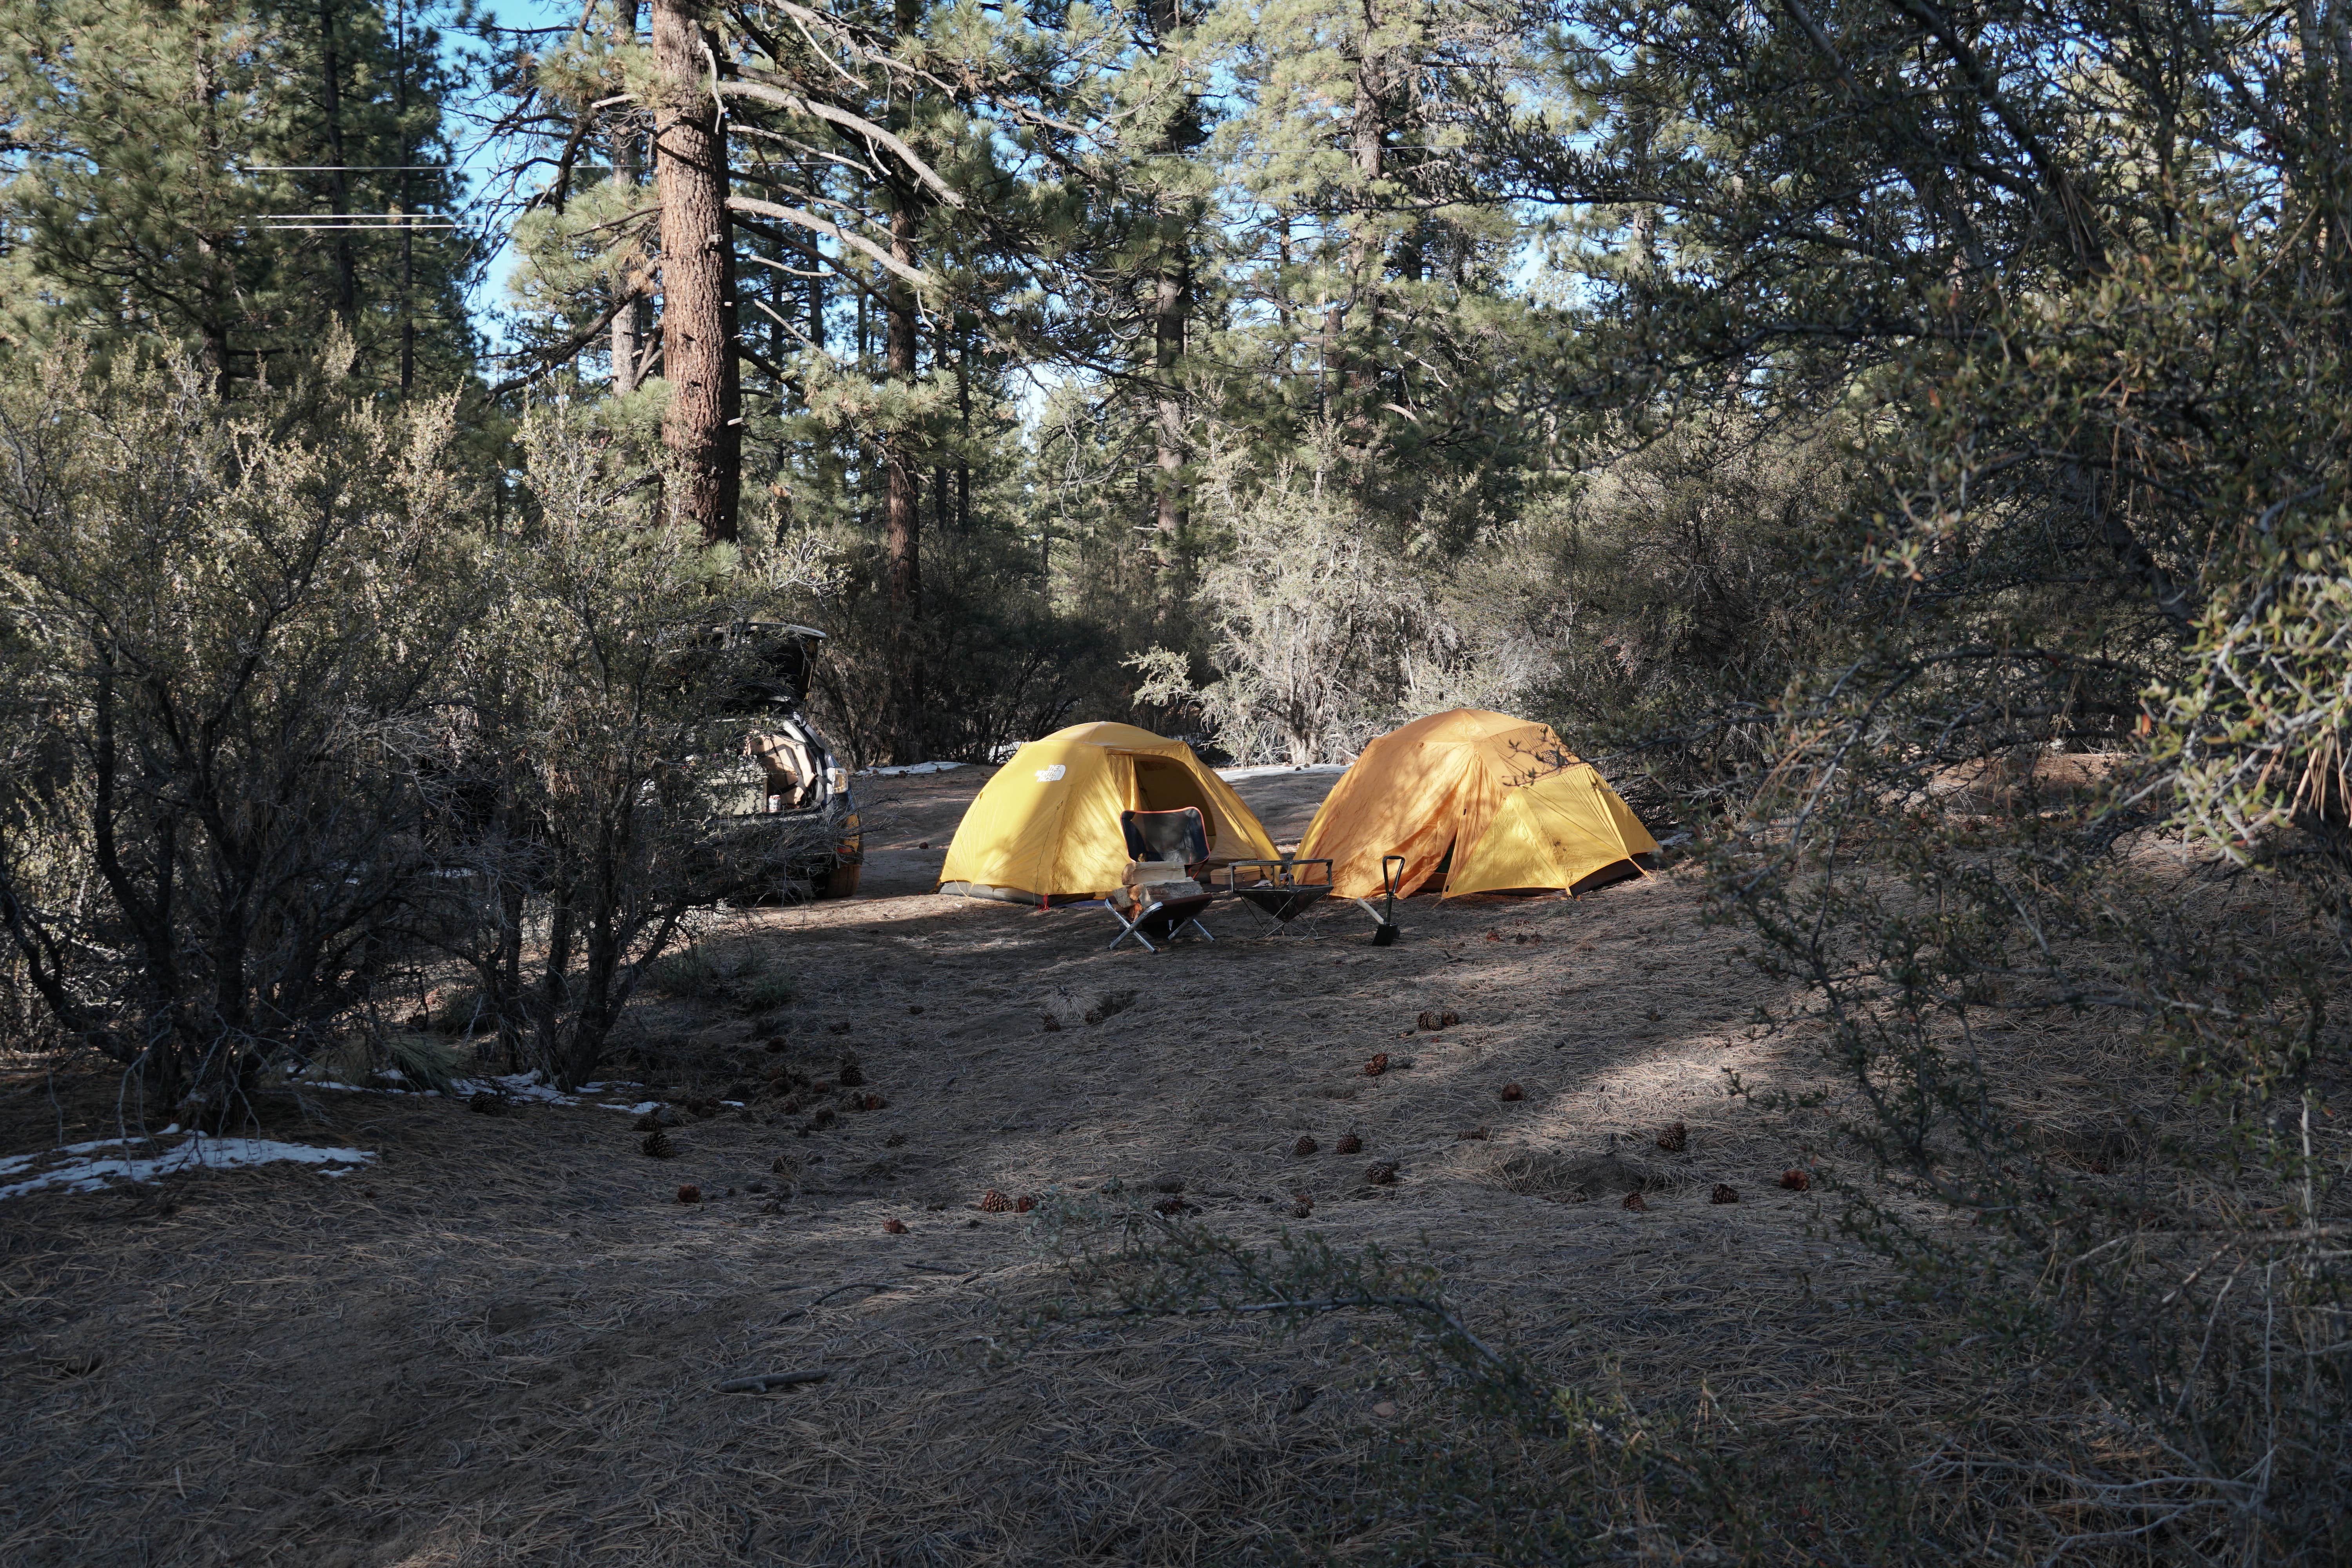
[766, 991]
[688, 972]
[424, 1062]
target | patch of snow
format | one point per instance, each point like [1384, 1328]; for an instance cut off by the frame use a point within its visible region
[1272, 769]
[81, 1168]
[517, 1086]
[909, 768]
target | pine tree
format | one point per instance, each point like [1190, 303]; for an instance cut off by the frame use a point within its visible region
[233, 176]
[862, 151]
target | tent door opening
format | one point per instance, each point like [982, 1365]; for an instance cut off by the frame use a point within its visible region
[1159, 784]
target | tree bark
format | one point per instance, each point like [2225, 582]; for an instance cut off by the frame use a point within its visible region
[1172, 306]
[1368, 138]
[339, 188]
[902, 517]
[407, 223]
[963, 417]
[628, 167]
[902, 524]
[703, 428]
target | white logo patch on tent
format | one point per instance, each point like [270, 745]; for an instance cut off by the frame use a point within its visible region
[1052, 774]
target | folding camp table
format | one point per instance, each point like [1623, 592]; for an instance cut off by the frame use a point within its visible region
[1282, 892]
[1279, 891]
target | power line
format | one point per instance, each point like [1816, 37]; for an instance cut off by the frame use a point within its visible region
[353, 227]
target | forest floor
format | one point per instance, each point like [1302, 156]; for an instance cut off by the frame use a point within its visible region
[498, 1343]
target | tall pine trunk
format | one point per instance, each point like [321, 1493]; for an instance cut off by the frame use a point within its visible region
[1173, 300]
[703, 430]
[1172, 306]
[407, 219]
[339, 186]
[629, 324]
[902, 517]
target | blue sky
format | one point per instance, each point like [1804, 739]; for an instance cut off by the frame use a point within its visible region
[479, 159]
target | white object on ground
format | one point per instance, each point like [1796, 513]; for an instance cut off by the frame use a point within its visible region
[1270, 769]
[83, 1168]
[524, 1086]
[909, 768]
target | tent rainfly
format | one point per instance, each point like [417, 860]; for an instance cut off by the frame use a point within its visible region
[1484, 801]
[1046, 827]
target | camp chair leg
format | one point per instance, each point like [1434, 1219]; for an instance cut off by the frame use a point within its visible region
[1196, 923]
[1129, 927]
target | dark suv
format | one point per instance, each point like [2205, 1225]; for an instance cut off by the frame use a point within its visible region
[789, 798]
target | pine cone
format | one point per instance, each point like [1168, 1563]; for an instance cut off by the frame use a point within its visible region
[1171, 1206]
[1377, 1066]
[1381, 1173]
[1513, 1091]
[1304, 1147]
[896, 1141]
[871, 1102]
[689, 1193]
[1724, 1195]
[894, 1227]
[1026, 1203]
[775, 1043]
[851, 1075]
[995, 1202]
[1675, 1139]
[1431, 1022]
[658, 1146]
[1475, 1135]
[1350, 1145]
[1053, 1024]
[1301, 1209]
[1633, 1201]
[1796, 1181]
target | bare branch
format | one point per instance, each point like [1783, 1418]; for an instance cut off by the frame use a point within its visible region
[858, 243]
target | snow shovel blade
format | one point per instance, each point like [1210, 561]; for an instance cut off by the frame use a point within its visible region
[1384, 934]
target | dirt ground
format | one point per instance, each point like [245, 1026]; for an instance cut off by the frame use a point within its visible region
[499, 1342]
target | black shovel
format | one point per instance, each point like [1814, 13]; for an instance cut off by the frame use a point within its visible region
[1384, 926]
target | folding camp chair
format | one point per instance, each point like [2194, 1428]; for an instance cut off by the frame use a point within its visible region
[1170, 851]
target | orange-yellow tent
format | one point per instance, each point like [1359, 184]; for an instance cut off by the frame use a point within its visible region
[1048, 824]
[1490, 803]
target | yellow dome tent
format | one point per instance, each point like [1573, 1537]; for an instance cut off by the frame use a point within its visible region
[1488, 801]
[1046, 827]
